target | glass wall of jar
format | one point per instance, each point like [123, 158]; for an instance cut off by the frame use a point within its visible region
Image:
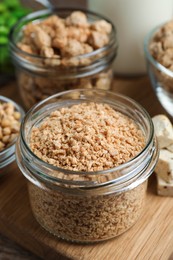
[39, 76]
[87, 206]
[8, 133]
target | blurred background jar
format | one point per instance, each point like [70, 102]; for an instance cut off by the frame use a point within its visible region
[40, 77]
[133, 20]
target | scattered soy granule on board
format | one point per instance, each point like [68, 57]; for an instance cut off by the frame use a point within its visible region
[87, 137]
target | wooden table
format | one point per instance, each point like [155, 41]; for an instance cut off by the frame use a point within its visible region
[151, 238]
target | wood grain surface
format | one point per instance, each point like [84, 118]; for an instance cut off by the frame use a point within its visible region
[11, 250]
[151, 238]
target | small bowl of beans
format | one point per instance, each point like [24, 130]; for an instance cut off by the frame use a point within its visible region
[11, 115]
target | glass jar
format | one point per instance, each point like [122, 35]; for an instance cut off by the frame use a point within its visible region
[39, 77]
[108, 202]
[133, 20]
[161, 77]
[7, 156]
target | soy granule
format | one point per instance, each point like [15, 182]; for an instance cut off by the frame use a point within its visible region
[87, 137]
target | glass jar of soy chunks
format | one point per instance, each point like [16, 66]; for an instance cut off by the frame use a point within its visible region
[87, 156]
[60, 50]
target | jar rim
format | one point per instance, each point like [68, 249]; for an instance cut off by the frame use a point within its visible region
[142, 156]
[148, 55]
[112, 43]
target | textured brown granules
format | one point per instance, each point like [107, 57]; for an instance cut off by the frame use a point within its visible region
[87, 137]
[87, 218]
[61, 38]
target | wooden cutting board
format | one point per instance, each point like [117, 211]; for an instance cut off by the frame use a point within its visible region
[150, 238]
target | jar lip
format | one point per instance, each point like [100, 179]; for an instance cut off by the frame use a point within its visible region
[148, 55]
[7, 150]
[112, 42]
[117, 168]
